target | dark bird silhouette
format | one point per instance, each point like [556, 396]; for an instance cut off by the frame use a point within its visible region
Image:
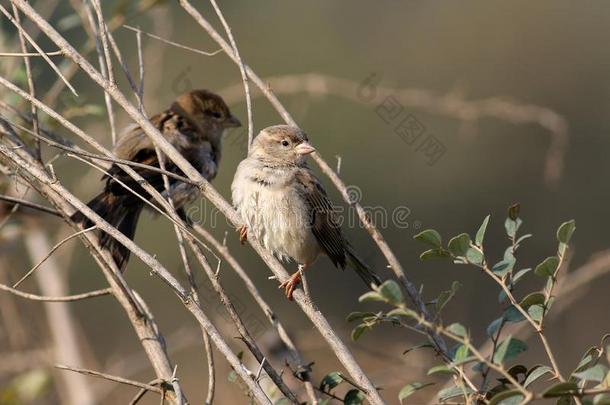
[194, 125]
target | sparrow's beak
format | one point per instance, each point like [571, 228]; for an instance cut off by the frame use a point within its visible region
[232, 122]
[304, 148]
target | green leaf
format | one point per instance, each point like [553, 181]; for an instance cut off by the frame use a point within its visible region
[589, 359]
[357, 316]
[512, 314]
[429, 236]
[459, 245]
[547, 267]
[474, 256]
[565, 231]
[596, 373]
[353, 397]
[390, 291]
[535, 298]
[461, 354]
[439, 253]
[513, 211]
[409, 389]
[509, 349]
[465, 360]
[535, 373]
[560, 389]
[421, 346]
[509, 397]
[521, 239]
[452, 392]
[232, 377]
[358, 331]
[457, 329]
[409, 313]
[445, 296]
[512, 226]
[371, 296]
[478, 240]
[501, 268]
[282, 401]
[440, 369]
[331, 380]
[536, 312]
[519, 275]
[493, 327]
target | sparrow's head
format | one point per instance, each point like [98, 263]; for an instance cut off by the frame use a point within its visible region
[208, 110]
[281, 144]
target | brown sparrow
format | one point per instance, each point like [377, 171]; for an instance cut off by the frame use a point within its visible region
[194, 124]
[284, 206]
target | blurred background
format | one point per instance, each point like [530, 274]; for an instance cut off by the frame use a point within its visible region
[351, 73]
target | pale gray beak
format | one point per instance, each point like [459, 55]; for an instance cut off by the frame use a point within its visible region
[232, 122]
[304, 148]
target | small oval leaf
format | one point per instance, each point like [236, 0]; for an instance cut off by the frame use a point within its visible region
[429, 236]
[459, 245]
[565, 231]
[547, 267]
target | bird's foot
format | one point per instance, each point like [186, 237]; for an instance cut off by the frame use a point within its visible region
[290, 284]
[243, 234]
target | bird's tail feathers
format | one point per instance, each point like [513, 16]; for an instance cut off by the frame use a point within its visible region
[363, 270]
[122, 216]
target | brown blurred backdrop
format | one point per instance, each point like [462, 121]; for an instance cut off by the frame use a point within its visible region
[552, 54]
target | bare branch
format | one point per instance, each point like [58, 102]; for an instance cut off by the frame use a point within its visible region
[66, 298]
[30, 79]
[57, 246]
[29, 204]
[452, 105]
[172, 43]
[27, 54]
[242, 70]
[109, 377]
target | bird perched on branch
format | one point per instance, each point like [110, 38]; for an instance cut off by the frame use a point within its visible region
[284, 206]
[194, 124]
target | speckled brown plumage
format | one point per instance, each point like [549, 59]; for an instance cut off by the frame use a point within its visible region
[194, 124]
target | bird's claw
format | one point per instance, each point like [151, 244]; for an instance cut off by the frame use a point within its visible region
[291, 284]
[243, 234]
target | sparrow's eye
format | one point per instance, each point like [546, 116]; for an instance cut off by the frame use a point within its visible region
[214, 114]
[285, 143]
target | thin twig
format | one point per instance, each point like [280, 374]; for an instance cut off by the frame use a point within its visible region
[66, 298]
[242, 70]
[105, 61]
[27, 54]
[29, 204]
[109, 377]
[30, 79]
[143, 392]
[57, 246]
[141, 71]
[176, 44]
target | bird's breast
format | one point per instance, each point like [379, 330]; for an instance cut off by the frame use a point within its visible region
[279, 219]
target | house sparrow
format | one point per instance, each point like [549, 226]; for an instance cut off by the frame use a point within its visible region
[285, 207]
[194, 125]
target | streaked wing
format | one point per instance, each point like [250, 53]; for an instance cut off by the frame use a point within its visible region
[324, 224]
[137, 147]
